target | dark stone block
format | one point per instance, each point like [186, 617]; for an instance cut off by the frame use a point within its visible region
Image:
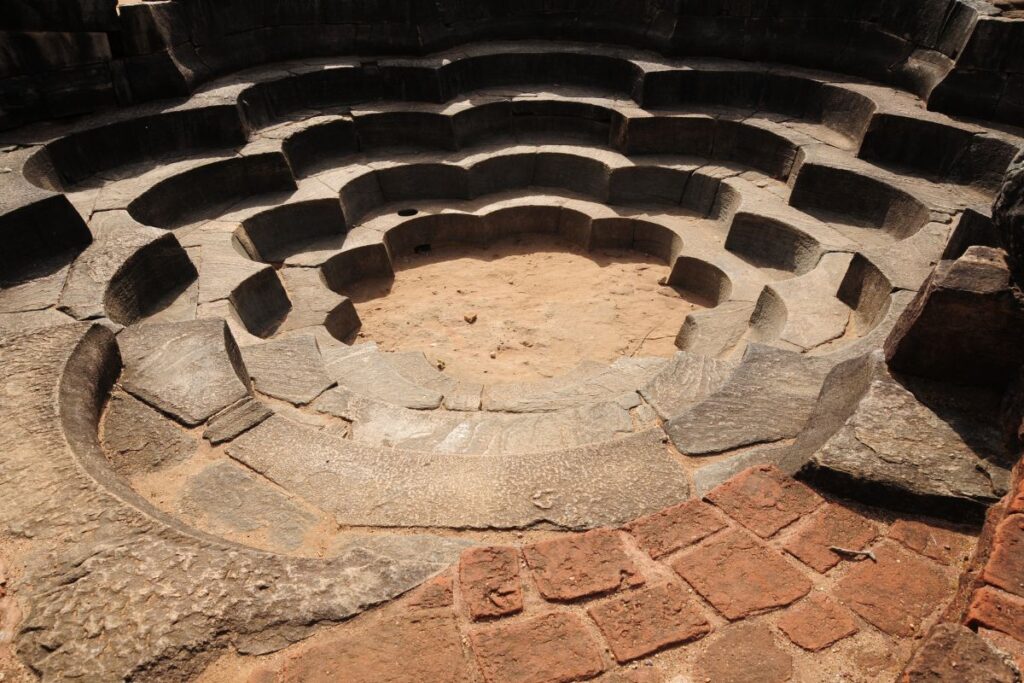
[965, 325]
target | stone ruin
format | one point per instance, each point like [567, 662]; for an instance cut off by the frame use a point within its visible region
[210, 472]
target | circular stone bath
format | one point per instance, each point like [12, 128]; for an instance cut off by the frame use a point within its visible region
[543, 355]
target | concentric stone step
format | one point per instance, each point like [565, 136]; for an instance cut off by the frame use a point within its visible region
[475, 433]
[360, 485]
[768, 398]
[686, 381]
[362, 370]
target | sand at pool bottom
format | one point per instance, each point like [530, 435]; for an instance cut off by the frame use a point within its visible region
[541, 305]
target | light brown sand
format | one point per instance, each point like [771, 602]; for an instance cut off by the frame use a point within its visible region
[542, 306]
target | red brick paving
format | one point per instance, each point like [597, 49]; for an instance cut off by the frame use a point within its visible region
[744, 653]
[580, 565]
[677, 527]
[639, 622]
[897, 592]
[381, 649]
[817, 622]
[764, 500]
[942, 545]
[489, 578]
[831, 525]
[954, 653]
[739, 575]
[551, 648]
[627, 603]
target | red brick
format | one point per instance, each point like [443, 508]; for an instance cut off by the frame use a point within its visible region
[489, 581]
[897, 592]
[816, 623]
[832, 525]
[435, 593]
[942, 545]
[764, 500]
[1005, 566]
[579, 565]
[639, 622]
[551, 648]
[954, 653]
[676, 527]
[997, 610]
[744, 653]
[739, 575]
[404, 647]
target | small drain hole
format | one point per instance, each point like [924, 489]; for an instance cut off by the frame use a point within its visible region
[408, 212]
[421, 249]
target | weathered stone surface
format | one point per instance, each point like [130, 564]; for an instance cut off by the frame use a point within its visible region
[769, 397]
[552, 648]
[1008, 216]
[577, 488]
[190, 370]
[362, 370]
[739, 575]
[235, 420]
[637, 623]
[954, 653]
[897, 592]
[816, 623]
[474, 433]
[236, 500]
[581, 565]
[489, 579]
[585, 384]
[938, 443]
[764, 500]
[745, 653]
[289, 369]
[676, 527]
[125, 271]
[684, 382]
[138, 439]
[965, 325]
[92, 545]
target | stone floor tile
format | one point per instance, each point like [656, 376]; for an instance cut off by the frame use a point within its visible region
[676, 527]
[896, 593]
[816, 623]
[638, 622]
[942, 545]
[552, 648]
[764, 500]
[744, 653]
[580, 565]
[740, 576]
[830, 526]
[489, 581]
